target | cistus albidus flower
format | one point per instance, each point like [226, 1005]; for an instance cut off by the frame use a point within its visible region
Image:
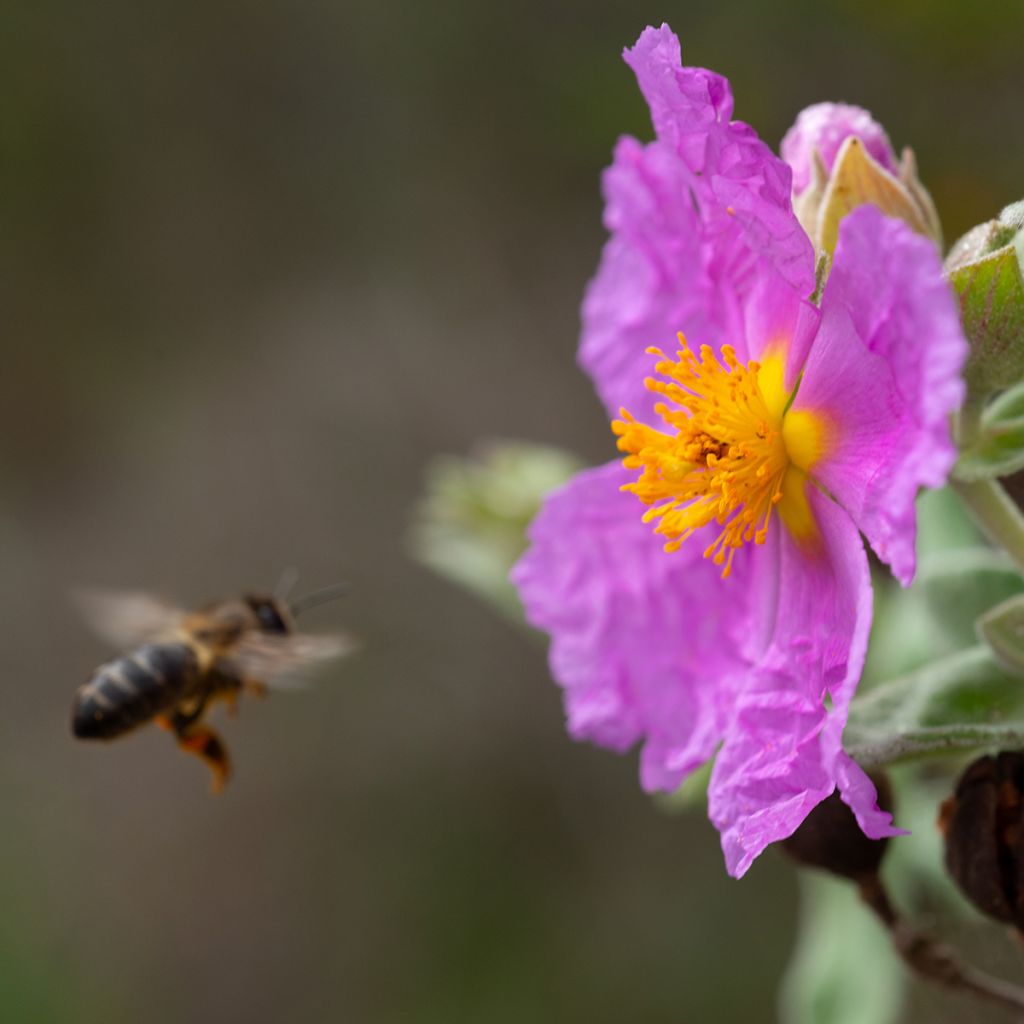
[775, 433]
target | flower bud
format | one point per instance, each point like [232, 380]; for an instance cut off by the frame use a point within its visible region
[842, 159]
[987, 238]
[986, 269]
[984, 830]
[831, 839]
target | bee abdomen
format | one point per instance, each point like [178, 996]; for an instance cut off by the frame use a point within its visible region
[132, 689]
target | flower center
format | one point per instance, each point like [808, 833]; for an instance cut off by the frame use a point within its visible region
[723, 460]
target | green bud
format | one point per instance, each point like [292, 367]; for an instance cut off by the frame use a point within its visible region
[985, 270]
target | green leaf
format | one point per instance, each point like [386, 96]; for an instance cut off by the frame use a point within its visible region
[844, 969]
[943, 523]
[470, 525]
[998, 451]
[991, 291]
[998, 448]
[691, 795]
[954, 585]
[959, 586]
[962, 702]
[1007, 407]
[914, 870]
[1002, 628]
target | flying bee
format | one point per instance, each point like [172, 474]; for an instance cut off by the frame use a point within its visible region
[179, 663]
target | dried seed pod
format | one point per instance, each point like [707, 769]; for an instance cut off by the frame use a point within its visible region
[831, 839]
[983, 822]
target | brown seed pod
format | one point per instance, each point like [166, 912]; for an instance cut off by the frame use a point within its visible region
[831, 839]
[983, 822]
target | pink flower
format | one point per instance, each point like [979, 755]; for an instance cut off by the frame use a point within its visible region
[780, 433]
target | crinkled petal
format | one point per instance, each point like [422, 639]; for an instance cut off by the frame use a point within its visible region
[695, 217]
[735, 177]
[825, 127]
[884, 372]
[638, 637]
[782, 753]
[656, 278]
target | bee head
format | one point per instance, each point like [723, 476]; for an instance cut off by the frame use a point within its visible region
[270, 614]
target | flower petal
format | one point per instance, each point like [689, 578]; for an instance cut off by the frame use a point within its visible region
[655, 278]
[780, 325]
[735, 176]
[825, 127]
[637, 636]
[696, 217]
[884, 372]
[782, 754]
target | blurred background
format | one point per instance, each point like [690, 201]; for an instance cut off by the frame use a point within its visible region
[260, 263]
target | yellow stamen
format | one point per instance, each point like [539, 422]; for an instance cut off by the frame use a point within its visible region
[724, 460]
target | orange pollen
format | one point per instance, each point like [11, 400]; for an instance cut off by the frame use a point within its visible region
[722, 458]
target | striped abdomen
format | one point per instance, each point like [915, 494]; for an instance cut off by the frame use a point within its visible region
[132, 689]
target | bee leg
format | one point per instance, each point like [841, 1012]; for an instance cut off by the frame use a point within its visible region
[205, 743]
[254, 688]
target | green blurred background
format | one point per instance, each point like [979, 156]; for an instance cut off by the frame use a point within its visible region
[261, 262]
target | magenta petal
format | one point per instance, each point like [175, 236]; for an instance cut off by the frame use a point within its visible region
[825, 127]
[782, 754]
[885, 370]
[687, 104]
[735, 179]
[637, 636]
[778, 319]
[695, 218]
[655, 278]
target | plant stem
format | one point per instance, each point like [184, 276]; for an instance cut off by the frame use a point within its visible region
[933, 961]
[996, 515]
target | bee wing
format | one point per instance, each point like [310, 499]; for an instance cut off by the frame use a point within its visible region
[126, 618]
[285, 662]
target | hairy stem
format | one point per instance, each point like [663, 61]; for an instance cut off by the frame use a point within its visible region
[933, 961]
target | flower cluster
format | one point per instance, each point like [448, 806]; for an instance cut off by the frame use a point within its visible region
[760, 448]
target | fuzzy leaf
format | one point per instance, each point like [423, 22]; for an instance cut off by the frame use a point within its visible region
[844, 970]
[470, 524]
[998, 450]
[962, 702]
[959, 586]
[1002, 628]
[991, 291]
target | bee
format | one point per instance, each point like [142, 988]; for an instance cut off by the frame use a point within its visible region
[179, 663]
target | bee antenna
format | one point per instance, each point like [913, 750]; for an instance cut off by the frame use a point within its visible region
[318, 597]
[286, 583]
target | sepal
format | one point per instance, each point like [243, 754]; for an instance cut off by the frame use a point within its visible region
[858, 179]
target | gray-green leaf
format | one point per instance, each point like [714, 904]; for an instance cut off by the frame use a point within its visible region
[844, 970]
[963, 702]
[958, 586]
[998, 448]
[470, 524]
[1002, 628]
